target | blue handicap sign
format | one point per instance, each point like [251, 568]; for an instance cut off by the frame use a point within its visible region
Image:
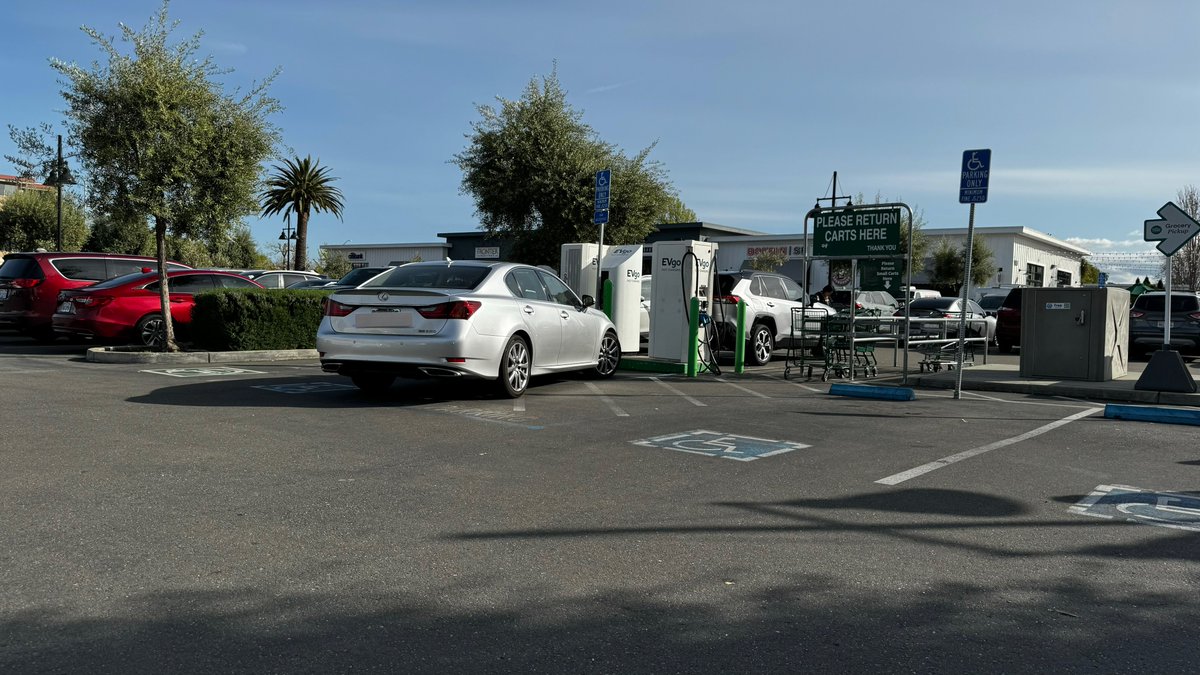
[603, 179]
[724, 446]
[600, 217]
[1123, 502]
[973, 182]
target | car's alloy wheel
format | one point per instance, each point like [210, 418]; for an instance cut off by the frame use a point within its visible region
[514, 367]
[152, 331]
[761, 344]
[610, 356]
[373, 383]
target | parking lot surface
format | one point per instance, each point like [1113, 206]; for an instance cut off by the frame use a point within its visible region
[270, 517]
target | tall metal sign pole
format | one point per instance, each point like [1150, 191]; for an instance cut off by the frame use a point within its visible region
[972, 189]
[600, 217]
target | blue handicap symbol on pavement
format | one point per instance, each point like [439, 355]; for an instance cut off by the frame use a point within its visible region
[717, 444]
[1164, 509]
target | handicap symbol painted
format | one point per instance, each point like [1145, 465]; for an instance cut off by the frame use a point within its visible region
[305, 387]
[1164, 509]
[725, 446]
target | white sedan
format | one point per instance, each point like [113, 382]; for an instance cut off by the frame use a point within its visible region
[496, 321]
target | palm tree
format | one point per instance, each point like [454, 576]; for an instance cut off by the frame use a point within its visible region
[298, 187]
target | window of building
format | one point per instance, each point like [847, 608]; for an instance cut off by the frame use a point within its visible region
[1035, 275]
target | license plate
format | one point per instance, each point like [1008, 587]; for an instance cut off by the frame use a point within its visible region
[382, 320]
[3, 293]
[66, 308]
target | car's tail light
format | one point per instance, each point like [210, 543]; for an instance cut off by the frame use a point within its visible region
[92, 300]
[1136, 314]
[1008, 309]
[25, 283]
[948, 315]
[1194, 316]
[858, 305]
[729, 299]
[459, 309]
[335, 308]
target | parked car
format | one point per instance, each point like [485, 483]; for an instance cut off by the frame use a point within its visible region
[644, 314]
[770, 299]
[128, 308]
[978, 324]
[991, 303]
[31, 282]
[281, 278]
[880, 303]
[310, 284]
[491, 320]
[1147, 321]
[357, 276]
[1008, 321]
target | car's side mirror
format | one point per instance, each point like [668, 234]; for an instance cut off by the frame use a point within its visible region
[587, 301]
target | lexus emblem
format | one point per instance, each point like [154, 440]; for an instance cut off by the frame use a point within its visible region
[383, 297]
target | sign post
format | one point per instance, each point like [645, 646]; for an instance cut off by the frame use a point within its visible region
[972, 189]
[600, 217]
[1166, 371]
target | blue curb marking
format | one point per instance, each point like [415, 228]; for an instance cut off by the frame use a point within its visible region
[1142, 413]
[869, 391]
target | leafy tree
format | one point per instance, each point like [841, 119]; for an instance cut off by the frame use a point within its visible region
[768, 261]
[301, 186]
[1088, 273]
[35, 156]
[530, 167]
[236, 249]
[677, 212]
[160, 139]
[948, 263]
[115, 235]
[29, 220]
[332, 264]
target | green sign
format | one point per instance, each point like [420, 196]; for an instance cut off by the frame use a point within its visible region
[857, 233]
[882, 275]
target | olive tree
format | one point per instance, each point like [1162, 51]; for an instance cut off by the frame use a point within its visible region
[162, 142]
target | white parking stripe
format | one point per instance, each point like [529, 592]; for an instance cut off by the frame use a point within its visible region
[519, 404]
[797, 384]
[607, 401]
[967, 454]
[738, 386]
[675, 391]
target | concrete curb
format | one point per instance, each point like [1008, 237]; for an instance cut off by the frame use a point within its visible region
[1147, 414]
[125, 355]
[872, 391]
[1055, 388]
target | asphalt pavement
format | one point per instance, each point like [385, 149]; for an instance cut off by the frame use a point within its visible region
[267, 517]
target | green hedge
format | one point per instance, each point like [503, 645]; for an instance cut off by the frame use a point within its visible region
[246, 319]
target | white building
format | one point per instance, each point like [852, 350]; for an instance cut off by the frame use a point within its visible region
[381, 255]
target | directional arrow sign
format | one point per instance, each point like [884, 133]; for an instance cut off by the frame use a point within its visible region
[1172, 229]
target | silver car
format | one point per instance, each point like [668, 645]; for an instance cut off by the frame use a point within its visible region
[495, 321]
[770, 299]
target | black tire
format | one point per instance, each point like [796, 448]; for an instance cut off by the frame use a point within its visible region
[515, 365]
[151, 331]
[609, 359]
[762, 343]
[373, 383]
[1005, 346]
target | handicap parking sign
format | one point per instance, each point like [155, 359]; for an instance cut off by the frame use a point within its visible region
[1123, 502]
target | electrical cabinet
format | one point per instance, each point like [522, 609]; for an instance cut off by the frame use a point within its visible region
[1075, 333]
[579, 266]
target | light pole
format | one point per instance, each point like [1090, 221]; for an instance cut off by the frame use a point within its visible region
[287, 236]
[60, 175]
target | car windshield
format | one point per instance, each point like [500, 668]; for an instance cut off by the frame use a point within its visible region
[356, 277]
[448, 275]
[991, 301]
[123, 279]
[20, 268]
[1157, 303]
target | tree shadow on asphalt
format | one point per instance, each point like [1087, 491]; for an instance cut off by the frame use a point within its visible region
[710, 622]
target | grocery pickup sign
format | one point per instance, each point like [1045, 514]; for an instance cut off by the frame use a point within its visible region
[857, 233]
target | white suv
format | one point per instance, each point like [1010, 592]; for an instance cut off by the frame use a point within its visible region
[770, 299]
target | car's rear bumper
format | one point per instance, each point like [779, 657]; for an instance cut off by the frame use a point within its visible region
[89, 327]
[411, 355]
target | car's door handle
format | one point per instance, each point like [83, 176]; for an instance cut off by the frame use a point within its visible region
[527, 309]
[770, 304]
[564, 314]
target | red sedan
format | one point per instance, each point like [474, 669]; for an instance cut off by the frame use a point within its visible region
[128, 307]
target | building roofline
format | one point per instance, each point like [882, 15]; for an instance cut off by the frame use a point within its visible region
[439, 244]
[1018, 230]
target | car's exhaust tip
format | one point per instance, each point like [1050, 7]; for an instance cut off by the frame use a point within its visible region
[440, 372]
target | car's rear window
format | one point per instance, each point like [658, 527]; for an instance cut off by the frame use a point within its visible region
[1013, 299]
[725, 284]
[1157, 303]
[81, 269]
[20, 268]
[356, 277]
[431, 276]
[123, 279]
[992, 301]
[932, 303]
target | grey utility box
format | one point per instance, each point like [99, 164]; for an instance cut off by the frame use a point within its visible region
[1075, 333]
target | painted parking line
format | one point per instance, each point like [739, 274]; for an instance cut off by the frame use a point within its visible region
[607, 401]
[204, 372]
[675, 391]
[895, 479]
[740, 387]
[796, 384]
[519, 404]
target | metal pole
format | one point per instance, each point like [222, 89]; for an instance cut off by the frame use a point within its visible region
[907, 295]
[1167, 309]
[58, 171]
[966, 293]
[599, 256]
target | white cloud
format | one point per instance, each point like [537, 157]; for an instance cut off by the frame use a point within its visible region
[605, 87]
[1108, 244]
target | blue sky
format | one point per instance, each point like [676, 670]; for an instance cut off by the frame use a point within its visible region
[1089, 107]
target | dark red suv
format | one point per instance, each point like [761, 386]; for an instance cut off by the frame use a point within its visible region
[30, 284]
[1008, 322]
